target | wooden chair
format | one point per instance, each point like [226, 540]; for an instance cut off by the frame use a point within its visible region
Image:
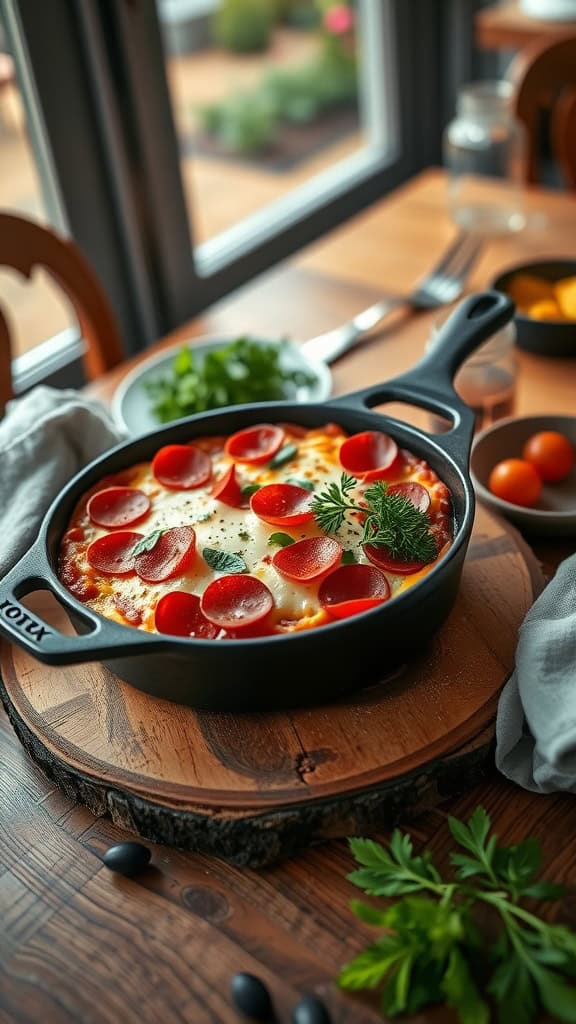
[25, 245]
[544, 79]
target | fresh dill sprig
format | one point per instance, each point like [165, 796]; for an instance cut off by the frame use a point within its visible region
[389, 520]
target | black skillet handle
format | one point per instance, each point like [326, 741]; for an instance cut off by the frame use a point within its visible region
[102, 638]
[429, 384]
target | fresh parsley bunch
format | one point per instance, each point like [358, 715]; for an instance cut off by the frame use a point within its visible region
[436, 948]
[242, 372]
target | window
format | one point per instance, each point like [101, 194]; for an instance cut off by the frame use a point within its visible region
[170, 219]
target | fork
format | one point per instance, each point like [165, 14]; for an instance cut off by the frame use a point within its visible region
[443, 284]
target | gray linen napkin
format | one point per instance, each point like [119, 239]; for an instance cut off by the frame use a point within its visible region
[536, 723]
[45, 438]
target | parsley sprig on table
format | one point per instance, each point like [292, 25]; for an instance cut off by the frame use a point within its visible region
[243, 371]
[391, 520]
[434, 948]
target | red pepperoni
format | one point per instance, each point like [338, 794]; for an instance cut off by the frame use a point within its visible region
[255, 444]
[116, 507]
[113, 554]
[182, 467]
[171, 555]
[416, 493]
[352, 589]
[227, 490]
[179, 614]
[73, 535]
[282, 504]
[371, 455]
[308, 559]
[235, 602]
[381, 557]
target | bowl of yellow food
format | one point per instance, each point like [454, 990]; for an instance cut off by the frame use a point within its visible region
[545, 297]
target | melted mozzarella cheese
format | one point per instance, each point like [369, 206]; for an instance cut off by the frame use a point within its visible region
[237, 531]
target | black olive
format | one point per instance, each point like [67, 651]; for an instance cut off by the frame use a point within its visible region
[251, 997]
[127, 858]
[310, 1010]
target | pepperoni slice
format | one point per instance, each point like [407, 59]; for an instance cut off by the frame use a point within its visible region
[182, 467]
[116, 507]
[282, 504]
[371, 455]
[113, 554]
[416, 493]
[255, 444]
[227, 490]
[179, 614]
[352, 589]
[171, 555]
[381, 557]
[308, 559]
[234, 602]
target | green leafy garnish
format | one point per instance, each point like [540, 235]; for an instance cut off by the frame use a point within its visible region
[224, 561]
[348, 557]
[390, 520]
[306, 484]
[147, 543]
[281, 539]
[249, 489]
[286, 454]
[434, 947]
[243, 371]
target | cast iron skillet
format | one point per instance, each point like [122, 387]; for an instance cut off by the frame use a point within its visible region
[279, 671]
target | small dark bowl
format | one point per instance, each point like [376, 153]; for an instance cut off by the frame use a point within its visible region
[546, 337]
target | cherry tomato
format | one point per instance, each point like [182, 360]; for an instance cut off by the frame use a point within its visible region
[182, 467]
[551, 454]
[351, 589]
[307, 560]
[282, 504]
[516, 481]
[370, 455]
[118, 506]
[255, 444]
[414, 492]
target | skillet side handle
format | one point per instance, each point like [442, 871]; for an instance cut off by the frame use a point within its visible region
[101, 639]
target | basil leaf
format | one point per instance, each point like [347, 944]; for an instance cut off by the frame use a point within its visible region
[224, 561]
[282, 539]
[307, 484]
[349, 558]
[249, 489]
[286, 454]
[147, 543]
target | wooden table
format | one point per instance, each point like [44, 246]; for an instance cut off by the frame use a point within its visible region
[80, 944]
[506, 27]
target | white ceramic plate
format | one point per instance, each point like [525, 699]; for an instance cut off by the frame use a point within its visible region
[132, 407]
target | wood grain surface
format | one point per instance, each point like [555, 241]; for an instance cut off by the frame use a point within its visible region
[78, 944]
[251, 787]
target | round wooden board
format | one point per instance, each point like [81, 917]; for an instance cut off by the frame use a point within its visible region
[252, 787]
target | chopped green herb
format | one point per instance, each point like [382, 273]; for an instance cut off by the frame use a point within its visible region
[286, 454]
[242, 372]
[249, 489]
[282, 539]
[244, 535]
[435, 946]
[205, 517]
[349, 558]
[307, 484]
[147, 543]
[390, 520]
[224, 561]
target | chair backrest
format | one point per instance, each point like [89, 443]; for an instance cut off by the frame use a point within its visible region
[544, 79]
[25, 245]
